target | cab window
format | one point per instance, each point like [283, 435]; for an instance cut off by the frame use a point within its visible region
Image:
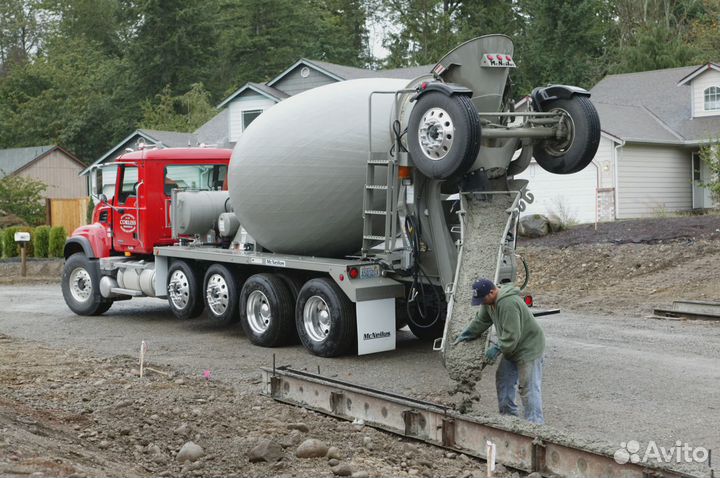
[205, 177]
[128, 189]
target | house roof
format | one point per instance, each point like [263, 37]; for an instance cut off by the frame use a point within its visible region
[652, 106]
[215, 131]
[698, 72]
[13, 160]
[166, 139]
[260, 88]
[352, 73]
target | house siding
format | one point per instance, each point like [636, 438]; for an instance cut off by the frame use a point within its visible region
[293, 83]
[60, 173]
[699, 85]
[245, 102]
[653, 179]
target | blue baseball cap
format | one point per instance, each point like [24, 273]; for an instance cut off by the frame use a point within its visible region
[481, 288]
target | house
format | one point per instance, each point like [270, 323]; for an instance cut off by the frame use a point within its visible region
[238, 110]
[52, 165]
[653, 125]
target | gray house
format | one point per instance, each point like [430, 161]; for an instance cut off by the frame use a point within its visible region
[653, 124]
[239, 109]
[51, 164]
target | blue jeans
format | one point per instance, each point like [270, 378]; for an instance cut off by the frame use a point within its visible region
[527, 376]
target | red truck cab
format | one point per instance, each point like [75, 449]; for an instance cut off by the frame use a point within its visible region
[135, 216]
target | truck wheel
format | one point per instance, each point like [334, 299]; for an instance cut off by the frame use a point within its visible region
[184, 291]
[426, 327]
[325, 319]
[443, 135]
[578, 150]
[221, 294]
[267, 311]
[81, 286]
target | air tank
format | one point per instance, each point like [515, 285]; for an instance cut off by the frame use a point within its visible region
[297, 173]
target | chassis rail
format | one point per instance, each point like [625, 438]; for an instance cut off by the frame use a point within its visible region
[439, 425]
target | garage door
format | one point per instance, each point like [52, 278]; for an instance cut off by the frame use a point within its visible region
[571, 196]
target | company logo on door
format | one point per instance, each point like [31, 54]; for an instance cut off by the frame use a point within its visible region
[128, 223]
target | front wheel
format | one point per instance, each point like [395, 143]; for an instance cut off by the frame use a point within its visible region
[80, 286]
[325, 319]
[574, 152]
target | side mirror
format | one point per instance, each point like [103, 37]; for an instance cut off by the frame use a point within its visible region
[103, 199]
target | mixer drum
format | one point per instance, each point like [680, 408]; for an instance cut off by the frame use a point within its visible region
[297, 173]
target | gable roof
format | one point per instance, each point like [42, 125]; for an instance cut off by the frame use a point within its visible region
[13, 160]
[267, 91]
[215, 131]
[698, 72]
[165, 139]
[650, 106]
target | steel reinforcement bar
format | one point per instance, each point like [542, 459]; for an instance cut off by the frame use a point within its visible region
[439, 425]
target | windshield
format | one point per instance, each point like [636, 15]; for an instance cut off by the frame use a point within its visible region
[205, 177]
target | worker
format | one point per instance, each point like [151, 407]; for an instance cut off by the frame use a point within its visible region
[520, 340]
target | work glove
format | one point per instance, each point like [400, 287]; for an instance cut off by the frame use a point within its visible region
[465, 336]
[491, 353]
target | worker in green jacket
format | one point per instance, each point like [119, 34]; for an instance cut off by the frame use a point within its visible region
[520, 341]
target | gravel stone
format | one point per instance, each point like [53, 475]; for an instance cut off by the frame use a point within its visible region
[343, 469]
[266, 450]
[189, 452]
[311, 448]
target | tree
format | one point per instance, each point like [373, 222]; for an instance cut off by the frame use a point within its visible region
[185, 112]
[23, 197]
[710, 155]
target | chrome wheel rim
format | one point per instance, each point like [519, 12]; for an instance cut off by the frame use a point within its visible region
[218, 296]
[258, 312]
[436, 133]
[316, 318]
[80, 284]
[179, 290]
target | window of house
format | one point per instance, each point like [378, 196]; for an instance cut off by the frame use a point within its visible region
[249, 116]
[712, 98]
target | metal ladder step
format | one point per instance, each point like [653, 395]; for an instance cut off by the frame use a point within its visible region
[375, 212]
[376, 186]
[374, 238]
[379, 162]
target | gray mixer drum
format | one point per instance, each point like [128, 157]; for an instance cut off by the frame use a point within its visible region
[297, 173]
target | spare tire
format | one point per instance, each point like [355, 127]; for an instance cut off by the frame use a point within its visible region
[443, 135]
[574, 153]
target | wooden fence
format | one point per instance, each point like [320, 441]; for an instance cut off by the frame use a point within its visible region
[69, 213]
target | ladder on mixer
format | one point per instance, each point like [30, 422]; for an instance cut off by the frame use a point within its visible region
[385, 229]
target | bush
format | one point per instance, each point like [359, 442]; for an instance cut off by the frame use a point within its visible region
[10, 247]
[23, 197]
[58, 235]
[41, 241]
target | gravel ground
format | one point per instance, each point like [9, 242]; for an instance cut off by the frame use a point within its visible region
[607, 378]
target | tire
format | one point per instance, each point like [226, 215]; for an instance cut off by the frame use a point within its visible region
[572, 155]
[267, 311]
[185, 292]
[221, 294]
[294, 283]
[443, 135]
[81, 286]
[426, 328]
[325, 319]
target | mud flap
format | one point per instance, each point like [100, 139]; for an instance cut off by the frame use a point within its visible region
[488, 219]
[375, 325]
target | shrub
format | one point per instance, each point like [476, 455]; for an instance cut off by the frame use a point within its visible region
[23, 197]
[57, 241]
[41, 241]
[10, 248]
[29, 248]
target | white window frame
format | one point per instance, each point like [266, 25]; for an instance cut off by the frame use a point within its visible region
[711, 98]
[244, 112]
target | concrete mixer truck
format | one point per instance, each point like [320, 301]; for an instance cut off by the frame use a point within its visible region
[343, 212]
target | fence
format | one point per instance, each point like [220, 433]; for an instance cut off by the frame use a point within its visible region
[69, 213]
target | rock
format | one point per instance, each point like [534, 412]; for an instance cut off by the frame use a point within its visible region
[499, 468]
[333, 462]
[265, 450]
[334, 452]
[343, 469]
[179, 382]
[189, 452]
[554, 223]
[413, 471]
[534, 225]
[534, 474]
[368, 443]
[360, 474]
[451, 455]
[298, 426]
[104, 445]
[311, 448]
[183, 430]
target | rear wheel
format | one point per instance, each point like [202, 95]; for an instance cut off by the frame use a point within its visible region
[443, 135]
[221, 294]
[577, 150]
[425, 316]
[325, 319]
[81, 286]
[185, 293]
[267, 311]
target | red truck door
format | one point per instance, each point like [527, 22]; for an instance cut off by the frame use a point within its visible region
[126, 214]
